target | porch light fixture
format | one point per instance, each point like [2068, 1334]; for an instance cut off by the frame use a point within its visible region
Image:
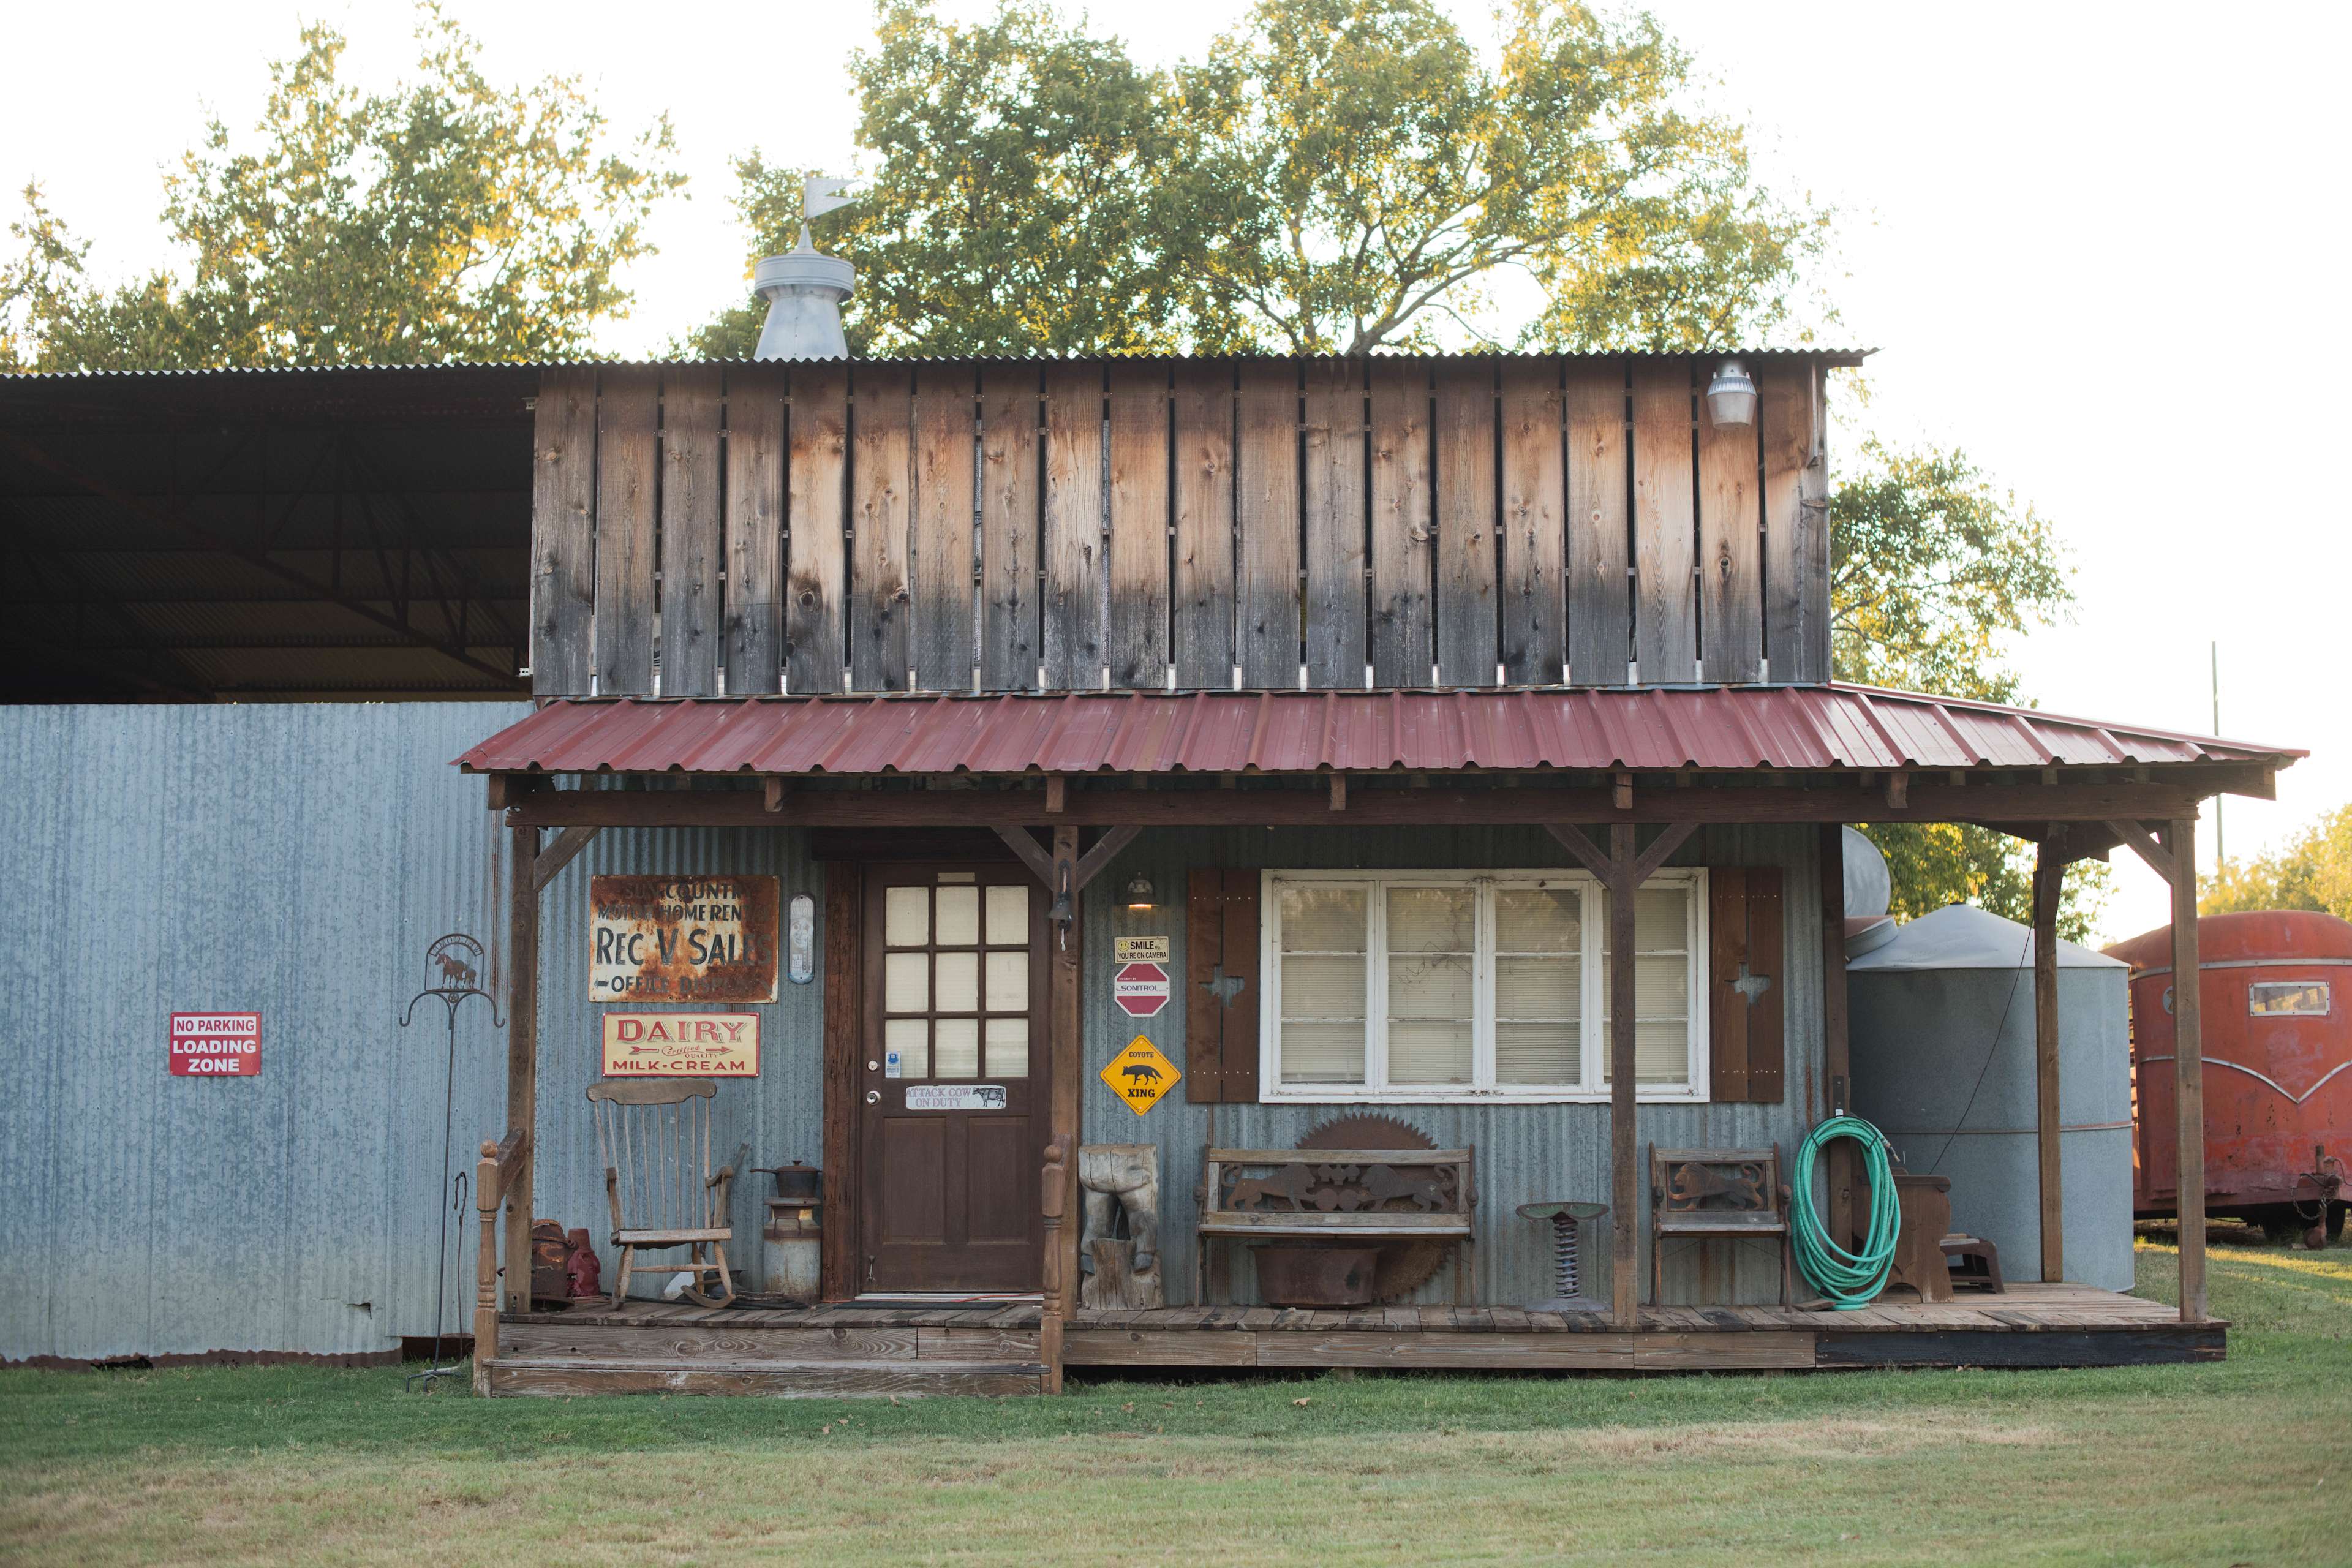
[1731, 397]
[1138, 893]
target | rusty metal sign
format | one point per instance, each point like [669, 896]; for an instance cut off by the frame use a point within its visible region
[681, 1045]
[682, 939]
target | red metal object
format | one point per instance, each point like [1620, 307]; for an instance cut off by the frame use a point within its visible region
[1813, 727]
[2276, 990]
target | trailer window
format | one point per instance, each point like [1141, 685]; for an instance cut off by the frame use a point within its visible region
[2273, 998]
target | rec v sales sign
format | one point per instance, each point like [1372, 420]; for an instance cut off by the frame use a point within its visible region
[215, 1045]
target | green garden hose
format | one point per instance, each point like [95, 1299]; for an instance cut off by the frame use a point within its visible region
[1850, 1281]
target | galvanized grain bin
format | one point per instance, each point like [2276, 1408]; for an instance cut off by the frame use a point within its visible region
[1942, 1023]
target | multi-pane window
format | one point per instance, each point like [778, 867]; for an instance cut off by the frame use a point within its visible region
[955, 981]
[1434, 985]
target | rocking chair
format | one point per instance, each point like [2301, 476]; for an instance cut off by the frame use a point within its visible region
[655, 1136]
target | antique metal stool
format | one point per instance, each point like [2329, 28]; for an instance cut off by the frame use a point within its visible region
[1566, 1221]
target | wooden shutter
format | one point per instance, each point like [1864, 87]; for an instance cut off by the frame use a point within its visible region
[1221, 987]
[1747, 990]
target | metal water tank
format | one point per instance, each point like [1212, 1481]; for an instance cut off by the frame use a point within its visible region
[1941, 1021]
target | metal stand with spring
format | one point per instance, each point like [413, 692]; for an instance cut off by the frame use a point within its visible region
[457, 959]
[1566, 1221]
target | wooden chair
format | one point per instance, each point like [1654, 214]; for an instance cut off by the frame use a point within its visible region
[1717, 1194]
[655, 1136]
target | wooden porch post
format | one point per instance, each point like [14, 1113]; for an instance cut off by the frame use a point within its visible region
[2049, 882]
[1063, 1024]
[2187, 1068]
[1624, 1166]
[523, 1054]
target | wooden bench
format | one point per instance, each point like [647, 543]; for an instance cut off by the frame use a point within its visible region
[1337, 1195]
[1717, 1194]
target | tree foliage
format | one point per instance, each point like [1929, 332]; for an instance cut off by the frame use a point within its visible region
[1933, 571]
[1334, 175]
[2312, 871]
[447, 218]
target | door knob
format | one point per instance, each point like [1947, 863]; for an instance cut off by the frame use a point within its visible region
[873, 1097]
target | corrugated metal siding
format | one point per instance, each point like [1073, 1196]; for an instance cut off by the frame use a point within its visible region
[781, 1114]
[1526, 1153]
[295, 859]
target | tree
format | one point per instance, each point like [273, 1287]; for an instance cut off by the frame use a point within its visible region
[1334, 176]
[2313, 872]
[1933, 569]
[444, 219]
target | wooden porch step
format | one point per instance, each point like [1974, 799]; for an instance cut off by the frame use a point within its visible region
[571, 1376]
[719, 1341]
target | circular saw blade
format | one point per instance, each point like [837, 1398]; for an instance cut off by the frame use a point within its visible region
[1405, 1266]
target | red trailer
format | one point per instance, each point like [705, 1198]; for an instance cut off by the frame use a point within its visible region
[2278, 1070]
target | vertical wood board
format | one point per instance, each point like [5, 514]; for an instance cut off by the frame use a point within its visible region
[1600, 580]
[1009, 502]
[1139, 527]
[1266, 524]
[1464, 457]
[1534, 527]
[817, 474]
[692, 537]
[1665, 632]
[1205, 946]
[1074, 528]
[943, 635]
[563, 532]
[627, 456]
[753, 649]
[1334, 617]
[1796, 567]
[1204, 586]
[1403, 614]
[881, 473]
[1732, 586]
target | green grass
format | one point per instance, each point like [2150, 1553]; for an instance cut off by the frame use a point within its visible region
[2238, 1462]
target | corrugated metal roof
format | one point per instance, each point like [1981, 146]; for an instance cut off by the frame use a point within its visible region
[1723, 728]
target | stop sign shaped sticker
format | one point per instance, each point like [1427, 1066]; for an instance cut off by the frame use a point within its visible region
[1140, 989]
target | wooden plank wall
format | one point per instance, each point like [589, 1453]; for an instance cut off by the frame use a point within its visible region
[1149, 524]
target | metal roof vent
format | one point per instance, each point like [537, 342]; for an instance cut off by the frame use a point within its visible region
[804, 289]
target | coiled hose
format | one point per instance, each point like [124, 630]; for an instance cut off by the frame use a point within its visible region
[1850, 1281]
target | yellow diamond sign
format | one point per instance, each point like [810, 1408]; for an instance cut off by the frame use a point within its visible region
[1139, 1075]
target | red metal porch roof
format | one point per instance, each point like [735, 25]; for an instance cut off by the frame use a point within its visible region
[1716, 727]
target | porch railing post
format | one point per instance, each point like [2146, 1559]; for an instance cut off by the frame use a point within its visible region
[486, 1267]
[2188, 1070]
[1054, 1310]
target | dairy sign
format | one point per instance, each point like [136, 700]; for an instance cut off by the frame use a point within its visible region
[682, 939]
[215, 1045]
[681, 1045]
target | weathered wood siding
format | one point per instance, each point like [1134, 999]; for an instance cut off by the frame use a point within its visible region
[1143, 524]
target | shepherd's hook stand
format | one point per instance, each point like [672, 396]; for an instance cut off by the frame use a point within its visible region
[457, 960]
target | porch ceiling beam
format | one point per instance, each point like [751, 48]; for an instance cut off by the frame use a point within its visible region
[1209, 807]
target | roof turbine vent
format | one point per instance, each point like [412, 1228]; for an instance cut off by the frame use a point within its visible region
[804, 289]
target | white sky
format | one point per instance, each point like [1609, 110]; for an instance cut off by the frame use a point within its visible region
[2090, 242]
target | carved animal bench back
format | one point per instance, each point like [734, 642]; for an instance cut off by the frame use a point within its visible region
[1736, 1181]
[1325, 1185]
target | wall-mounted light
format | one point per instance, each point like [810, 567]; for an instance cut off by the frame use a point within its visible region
[1138, 893]
[1731, 397]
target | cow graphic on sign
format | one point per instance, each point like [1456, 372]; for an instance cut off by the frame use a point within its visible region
[1140, 989]
[1139, 1075]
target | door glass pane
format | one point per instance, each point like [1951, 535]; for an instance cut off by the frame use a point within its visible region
[906, 916]
[1008, 982]
[959, 917]
[1008, 916]
[1538, 1053]
[1429, 1052]
[1322, 1053]
[959, 983]
[957, 1043]
[906, 982]
[1008, 1047]
[1538, 920]
[911, 1039]
[1429, 919]
[1322, 920]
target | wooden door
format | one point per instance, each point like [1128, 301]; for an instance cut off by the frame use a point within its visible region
[956, 1096]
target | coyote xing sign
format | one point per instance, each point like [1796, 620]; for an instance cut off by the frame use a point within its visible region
[682, 939]
[1139, 1075]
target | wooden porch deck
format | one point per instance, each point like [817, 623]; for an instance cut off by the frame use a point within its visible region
[836, 1351]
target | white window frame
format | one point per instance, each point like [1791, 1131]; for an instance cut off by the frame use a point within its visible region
[1483, 1089]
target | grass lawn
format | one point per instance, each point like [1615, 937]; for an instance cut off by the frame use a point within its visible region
[2236, 1463]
